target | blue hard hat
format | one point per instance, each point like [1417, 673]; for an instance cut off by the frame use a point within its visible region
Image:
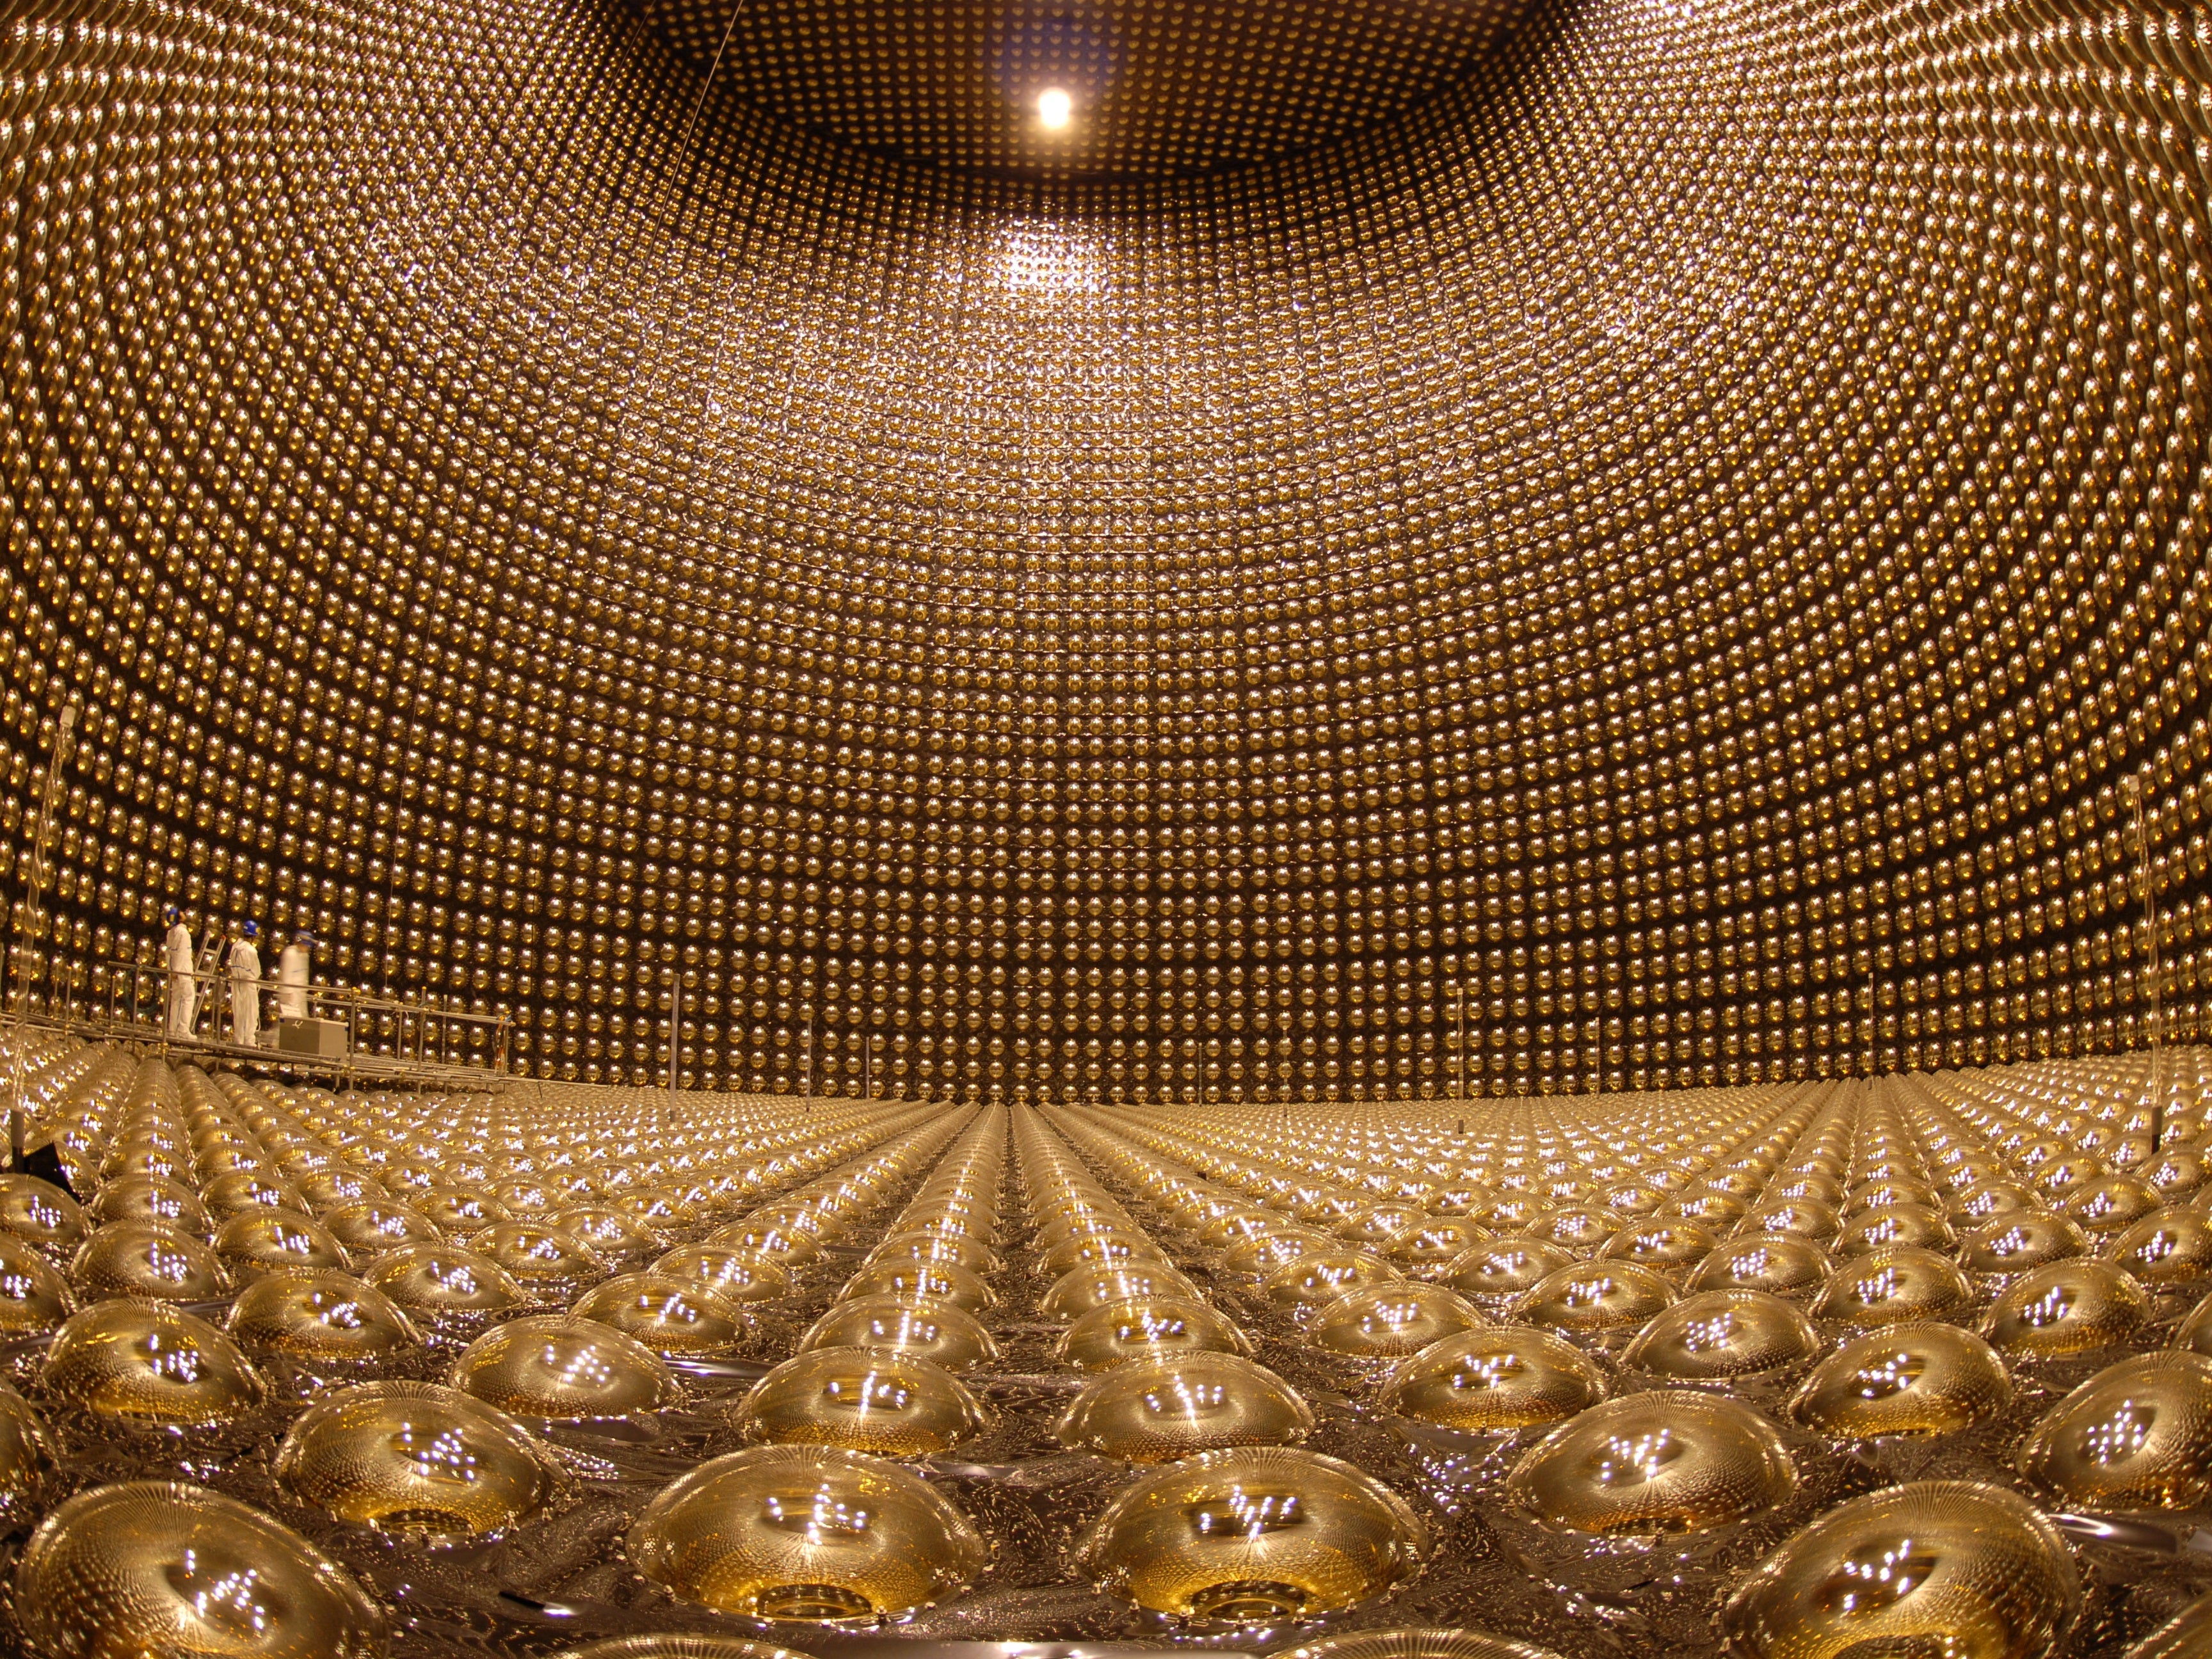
[251, 930]
[172, 913]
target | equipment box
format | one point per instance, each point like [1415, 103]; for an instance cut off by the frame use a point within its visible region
[325, 1039]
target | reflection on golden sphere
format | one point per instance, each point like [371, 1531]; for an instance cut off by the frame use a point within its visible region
[674, 1317]
[1369, 1227]
[257, 1241]
[1059, 1229]
[679, 1647]
[1719, 1211]
[39, 1213]
[243, 1189]
[922, 1281]
[2138, 1435]
[1312, 1282]
[1517, 1214]
[1802, 1217]
[1138, 1327]
[1258, 1256]
[2067, 1173]
[2014, 1243]
[1914, 1377]
[27, 1458]
[326, 1190]
[1937, 1567]
[1416, 1644]
[804, 1533]
[1631, 1198]
[2173, 1172]
[1992, 1201]
[443, 1278]
[2066, 1308]
[1500, 1269]
[1388, 1321]
[614, 1235]
[140, 1258]
[1721, 1333]
[1594, 1296]
[1585, 1231]
[374, 1226]
[1458, 1198]
[1076, 1292]
[152, 1567]
[796, 1214]
[656, 1212]
[33, 1296]
[2169, 1248]
[1817, 1184]
[1892, 1224]
[1887, 1192]
[1784, 1266]
[1239, 1223]
[414, 1460]
[2111, 1204]
[1494, 1380]
[1744, 1180]
[563, 1368]
[147, 1362]
[1664, 1245]
[1151, 1411]
[1100, 1251]
[1426, 1248]
[1253, 1536]
[935, 1330]
[786, 1245]
[1887, 1286]
[459, 1213]
[964, 1224]
[530, 1199]
[893, 1405]
[150, 1198]
[541, 1259]
[1648, 1464]
[318, 1317]
[917, 1245]
[738, 1276]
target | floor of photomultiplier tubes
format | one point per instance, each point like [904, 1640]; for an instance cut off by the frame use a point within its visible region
[562, 1580]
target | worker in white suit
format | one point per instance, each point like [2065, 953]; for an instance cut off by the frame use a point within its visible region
[292, 968]
[245, 967]
[184, 991]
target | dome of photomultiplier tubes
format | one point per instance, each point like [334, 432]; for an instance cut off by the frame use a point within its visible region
[1038, 1371]
[1668, 549]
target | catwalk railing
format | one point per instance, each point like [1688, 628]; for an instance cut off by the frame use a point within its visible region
[384, 1037]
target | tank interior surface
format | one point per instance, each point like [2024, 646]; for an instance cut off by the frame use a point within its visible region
[1036, 828]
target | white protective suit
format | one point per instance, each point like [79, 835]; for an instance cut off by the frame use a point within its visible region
[184, 993]
[291, 981]
[246, 994]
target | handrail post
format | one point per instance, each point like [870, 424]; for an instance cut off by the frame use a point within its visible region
[34, 883]
[675, 1028]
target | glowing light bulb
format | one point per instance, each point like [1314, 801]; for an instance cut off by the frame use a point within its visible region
[1055, 107]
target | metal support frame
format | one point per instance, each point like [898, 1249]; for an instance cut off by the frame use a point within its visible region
[675, 1027]
[426, 1035]
[2150, 986]
[27, 925]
